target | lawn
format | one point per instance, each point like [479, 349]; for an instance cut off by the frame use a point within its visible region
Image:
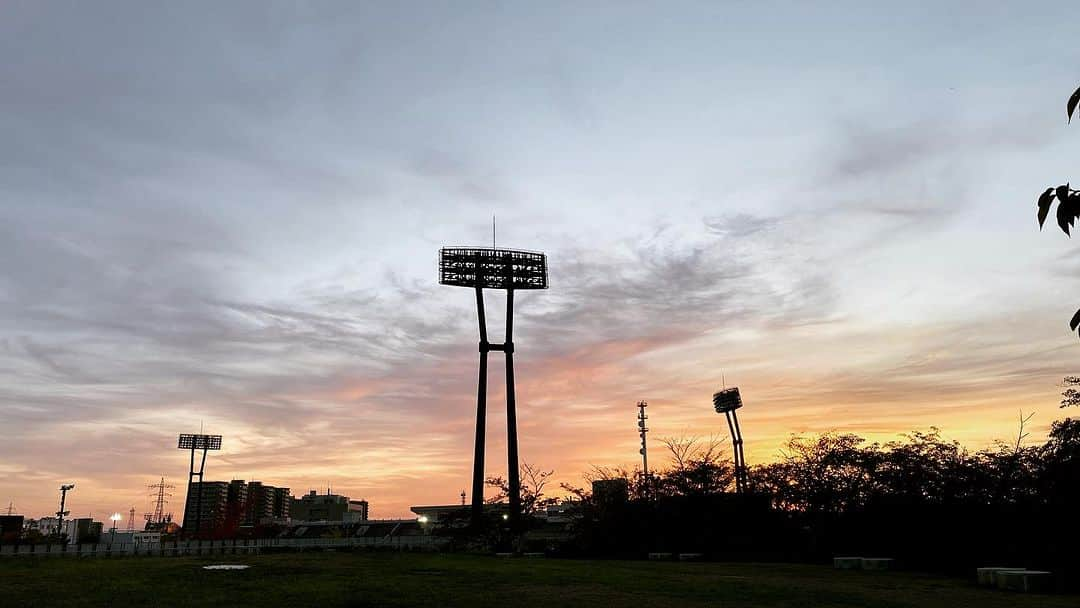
[388, 579]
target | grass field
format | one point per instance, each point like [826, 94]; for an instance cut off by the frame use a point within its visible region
[369, 579]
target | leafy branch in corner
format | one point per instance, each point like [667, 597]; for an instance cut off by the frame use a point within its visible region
[1070, 396]
[1068, 200]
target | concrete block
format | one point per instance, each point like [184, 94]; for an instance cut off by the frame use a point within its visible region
[847, 563]
[877, 563]
[987, 575]
[1026, 581]
[691, 557]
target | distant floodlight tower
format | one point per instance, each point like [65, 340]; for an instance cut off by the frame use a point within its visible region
[726, 402]
[507, 269]
[195, 442]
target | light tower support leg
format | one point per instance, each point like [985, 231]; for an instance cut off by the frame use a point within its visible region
[481, 416]
[190, 487]
[740, 471]
[198, 502]
[735, 450]
[511, 418]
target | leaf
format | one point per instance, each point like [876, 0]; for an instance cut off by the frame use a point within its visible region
[1063, 215]
[1044, 203]
[1069, 107]
[1064, 210]
[1075, 322]
[1073, 207]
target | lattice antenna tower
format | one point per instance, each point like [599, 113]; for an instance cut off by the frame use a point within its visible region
[160, 491]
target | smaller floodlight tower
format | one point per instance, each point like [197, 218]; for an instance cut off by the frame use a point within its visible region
[726, 402]
[196, 442]
[509, 270]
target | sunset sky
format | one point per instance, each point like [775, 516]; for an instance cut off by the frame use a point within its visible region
[229, 215]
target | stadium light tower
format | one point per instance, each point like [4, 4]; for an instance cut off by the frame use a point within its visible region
[195, 442]
[509, 270]
[726, 401]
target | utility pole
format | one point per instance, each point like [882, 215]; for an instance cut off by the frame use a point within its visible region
[642, 430]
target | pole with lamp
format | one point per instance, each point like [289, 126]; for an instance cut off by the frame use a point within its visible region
[115, 518]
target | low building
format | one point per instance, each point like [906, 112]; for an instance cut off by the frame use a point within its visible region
[265, 504]
[562, 513]
[11, 527]
[610, 492]
[315, 507]
[206, 512]
[282, 504]
[358, 510]
[44, 525]
[225, 506]
[119, 537]
[82, 530]
[152, 537]
[454, 514]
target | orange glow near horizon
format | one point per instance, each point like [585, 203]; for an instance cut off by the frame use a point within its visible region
[575, 412]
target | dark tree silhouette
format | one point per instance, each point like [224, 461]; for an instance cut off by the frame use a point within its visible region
[533, 481]
[1070, 396]
[829, 474]
[1068, 199]
[698, 468]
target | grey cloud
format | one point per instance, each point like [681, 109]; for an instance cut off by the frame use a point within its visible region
[864, 151]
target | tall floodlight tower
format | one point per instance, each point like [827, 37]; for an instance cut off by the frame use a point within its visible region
[642, 430]
[507, 269]
[64, 488]
[726, 402]
[196, 442]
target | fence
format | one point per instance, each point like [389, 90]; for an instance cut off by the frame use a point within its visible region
[223, 547]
